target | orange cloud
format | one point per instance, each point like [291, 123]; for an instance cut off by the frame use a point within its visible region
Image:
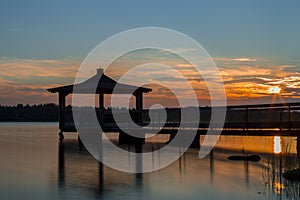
[244, 59]
[26, 80]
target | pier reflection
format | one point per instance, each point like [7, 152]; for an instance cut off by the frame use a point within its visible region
[61, 166]
[78, 170]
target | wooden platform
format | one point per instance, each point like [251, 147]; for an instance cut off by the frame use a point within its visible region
[262, 119]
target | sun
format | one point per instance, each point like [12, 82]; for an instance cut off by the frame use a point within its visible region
[274, 90]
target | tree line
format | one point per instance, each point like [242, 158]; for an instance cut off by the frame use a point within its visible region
[30, 113]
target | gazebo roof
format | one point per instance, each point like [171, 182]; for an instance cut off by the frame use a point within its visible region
[105, 85]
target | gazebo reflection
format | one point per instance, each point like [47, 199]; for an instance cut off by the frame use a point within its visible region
[77, 167]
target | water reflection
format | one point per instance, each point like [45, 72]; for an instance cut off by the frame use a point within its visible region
[33, 160]
[211, 166]
[272, 175]
[61, 167]
[209, 177]
[78, 169]
[277, 144]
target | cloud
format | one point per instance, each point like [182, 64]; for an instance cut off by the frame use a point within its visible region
[170, 79]
[235, 60]
[244, 79]
[177, 50]
[245, 72]
[244, 59]
[27, 79]
[184, 65]
[14, 69]
[251, 78]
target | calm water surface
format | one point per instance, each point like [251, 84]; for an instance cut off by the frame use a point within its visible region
[35, 166]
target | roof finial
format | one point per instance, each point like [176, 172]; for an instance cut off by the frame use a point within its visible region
[100, 71]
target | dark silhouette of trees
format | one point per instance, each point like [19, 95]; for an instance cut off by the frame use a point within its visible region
[38, 113]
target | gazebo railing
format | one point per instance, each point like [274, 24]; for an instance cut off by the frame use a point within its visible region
[105, 119]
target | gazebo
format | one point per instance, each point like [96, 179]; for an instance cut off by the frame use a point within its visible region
[105, 85]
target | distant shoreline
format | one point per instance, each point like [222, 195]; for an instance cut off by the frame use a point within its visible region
[3, 121]
[30, 113]
[28, 124]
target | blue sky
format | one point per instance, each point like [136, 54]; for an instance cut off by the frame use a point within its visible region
[43, 43]
[60, 29]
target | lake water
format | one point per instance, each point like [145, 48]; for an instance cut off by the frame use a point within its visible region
[35, 166]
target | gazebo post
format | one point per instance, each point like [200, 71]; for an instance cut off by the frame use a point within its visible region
[101, 100]
[139, 101]
[139, 105]
[62, 106]
[101, 106]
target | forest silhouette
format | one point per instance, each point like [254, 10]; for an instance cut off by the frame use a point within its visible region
[30, 113]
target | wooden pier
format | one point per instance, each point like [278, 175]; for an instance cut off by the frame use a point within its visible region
[259, 120]
[262, 119]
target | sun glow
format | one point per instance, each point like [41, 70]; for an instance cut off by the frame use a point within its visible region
[274, 90]
[277, 144]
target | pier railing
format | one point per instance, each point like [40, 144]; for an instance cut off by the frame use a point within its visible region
[285, 116]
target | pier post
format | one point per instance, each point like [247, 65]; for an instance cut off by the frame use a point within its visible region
[61, 136]
[289, 113]
[171, 137]
[80, 144]
[124, 138]
[246, 119]
[139, 106]
[62, 106]
[196, 142]
[298, 146]
[280, 119]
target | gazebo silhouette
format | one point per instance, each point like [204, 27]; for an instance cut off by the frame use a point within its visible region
[105, 85]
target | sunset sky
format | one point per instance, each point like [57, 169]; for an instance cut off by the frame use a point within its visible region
[255, 44]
